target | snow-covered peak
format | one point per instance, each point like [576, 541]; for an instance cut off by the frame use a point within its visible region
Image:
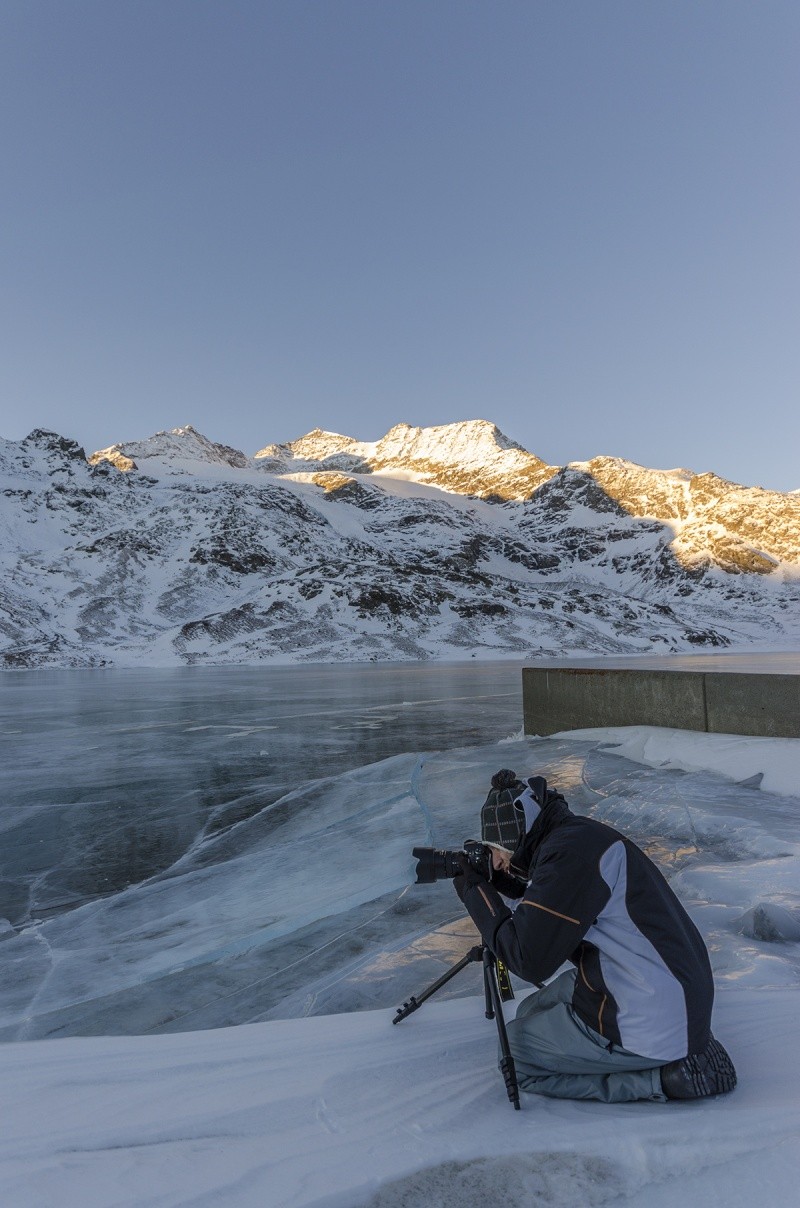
[472, 457]
[467, 443]
[605, 464]
[42, 453]
[315, 451]
[178, 451]
[318, 445]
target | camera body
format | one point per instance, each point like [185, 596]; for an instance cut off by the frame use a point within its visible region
[441, 864]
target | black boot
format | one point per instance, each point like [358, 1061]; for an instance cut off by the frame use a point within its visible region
[708, 1073]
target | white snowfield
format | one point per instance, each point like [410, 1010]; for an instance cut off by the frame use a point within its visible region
[347, 1111]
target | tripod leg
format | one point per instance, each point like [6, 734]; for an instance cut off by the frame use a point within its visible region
[506, 1061]
[474, 954]
[487, 987]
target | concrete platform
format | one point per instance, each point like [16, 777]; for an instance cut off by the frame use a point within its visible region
[721, 694]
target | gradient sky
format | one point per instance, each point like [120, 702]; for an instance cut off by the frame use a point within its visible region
[576, 218]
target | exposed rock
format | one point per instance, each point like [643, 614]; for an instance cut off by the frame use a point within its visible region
[115, 457]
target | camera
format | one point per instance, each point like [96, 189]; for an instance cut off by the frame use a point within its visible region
[441, 864]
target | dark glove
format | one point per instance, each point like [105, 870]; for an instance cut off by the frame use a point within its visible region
[467, 877]
[507, 884]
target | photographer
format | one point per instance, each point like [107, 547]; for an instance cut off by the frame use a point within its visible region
[633, 1019]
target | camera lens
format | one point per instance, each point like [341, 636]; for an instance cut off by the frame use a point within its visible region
[435, 864]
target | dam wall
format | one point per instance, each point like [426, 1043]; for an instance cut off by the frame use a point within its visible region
[720, 695]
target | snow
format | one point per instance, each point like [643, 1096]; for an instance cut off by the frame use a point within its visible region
[773, 763]
[347, 1111]
[479, 442]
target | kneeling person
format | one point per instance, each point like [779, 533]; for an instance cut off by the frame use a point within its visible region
[633, 1019]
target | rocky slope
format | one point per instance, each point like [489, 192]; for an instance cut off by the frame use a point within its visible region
[449, 541]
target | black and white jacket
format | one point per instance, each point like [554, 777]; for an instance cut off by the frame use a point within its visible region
[594, 898]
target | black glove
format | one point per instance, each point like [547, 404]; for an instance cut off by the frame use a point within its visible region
[467, 877]
[507, 884]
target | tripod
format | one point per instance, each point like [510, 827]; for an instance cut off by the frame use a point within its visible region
[497, 989]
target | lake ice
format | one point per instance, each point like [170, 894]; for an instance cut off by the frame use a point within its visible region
[196, 849]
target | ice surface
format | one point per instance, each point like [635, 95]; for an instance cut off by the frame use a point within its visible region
[107, 778]
[306, 905]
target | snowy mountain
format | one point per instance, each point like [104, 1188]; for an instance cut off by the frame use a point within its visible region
[448, 541]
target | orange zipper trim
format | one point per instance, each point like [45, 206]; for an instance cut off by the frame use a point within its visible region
[602, 1004]
[567, 918]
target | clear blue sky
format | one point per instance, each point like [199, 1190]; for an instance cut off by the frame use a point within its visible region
[577, 218]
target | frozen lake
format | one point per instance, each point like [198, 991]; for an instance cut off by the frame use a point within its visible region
[195, 848]
[108, 777]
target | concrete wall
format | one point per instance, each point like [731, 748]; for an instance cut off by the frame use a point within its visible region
[722, 702]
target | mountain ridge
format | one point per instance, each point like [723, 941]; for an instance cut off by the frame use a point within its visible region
[448, 541]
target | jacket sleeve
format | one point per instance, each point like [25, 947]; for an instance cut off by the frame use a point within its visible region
[562, 900]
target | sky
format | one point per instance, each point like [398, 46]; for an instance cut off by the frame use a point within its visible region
[576, 219]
